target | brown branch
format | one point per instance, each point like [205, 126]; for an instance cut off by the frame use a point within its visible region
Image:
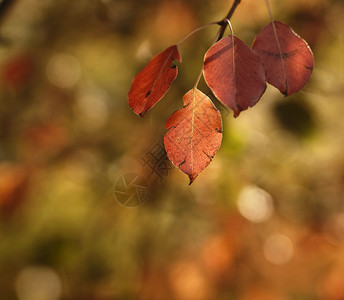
[224, 22]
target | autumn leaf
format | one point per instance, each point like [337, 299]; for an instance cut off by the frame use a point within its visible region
[234, 73]
[152, 83]
[194, 134]
[287, 58]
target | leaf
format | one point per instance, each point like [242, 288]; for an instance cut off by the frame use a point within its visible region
[287, 58]
[152, 83]
[194, 134]
[235, 74]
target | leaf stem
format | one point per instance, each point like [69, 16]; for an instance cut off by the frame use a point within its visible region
[269, 10]
[223, 23]
[201, 73]
[194, 31]
[273, 25]
[230, 27]
[276, 37]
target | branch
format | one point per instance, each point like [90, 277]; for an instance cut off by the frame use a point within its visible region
[224, 22]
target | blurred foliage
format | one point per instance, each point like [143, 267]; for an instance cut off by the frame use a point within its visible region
[264, 221]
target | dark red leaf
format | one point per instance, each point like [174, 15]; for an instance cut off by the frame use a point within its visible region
[194, 134]
[152, 83]
[287, 58]
[235, 74]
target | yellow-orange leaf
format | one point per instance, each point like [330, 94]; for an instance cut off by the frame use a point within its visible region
[194, 134]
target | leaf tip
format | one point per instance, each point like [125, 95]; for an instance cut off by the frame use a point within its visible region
[236, 113]
[140, 112]
[192, 178]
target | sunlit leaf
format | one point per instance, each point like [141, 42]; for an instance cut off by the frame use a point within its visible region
[287, 58]
[152, 83]
[234, 73]
[194, 134]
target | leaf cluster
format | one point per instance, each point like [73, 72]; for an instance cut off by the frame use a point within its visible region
[236, 74]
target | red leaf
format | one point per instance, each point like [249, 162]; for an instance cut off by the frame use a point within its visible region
[287, 58]
[152, 83]
[234, 74]
[194, 134]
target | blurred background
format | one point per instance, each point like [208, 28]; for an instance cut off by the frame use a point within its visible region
[91, 209]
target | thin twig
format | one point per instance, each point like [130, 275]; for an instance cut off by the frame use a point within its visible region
[196, 30]
[232, 9]
[224, 22]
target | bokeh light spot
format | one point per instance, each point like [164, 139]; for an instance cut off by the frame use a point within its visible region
[278, 249]
[93, 108]
[255, 204]
[63, 70]
[38, 283]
